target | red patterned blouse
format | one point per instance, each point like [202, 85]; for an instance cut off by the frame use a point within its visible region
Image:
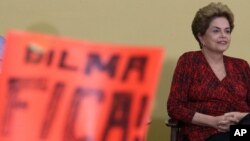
[195, 88]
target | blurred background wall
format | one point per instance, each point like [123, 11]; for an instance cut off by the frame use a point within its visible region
[139, 22]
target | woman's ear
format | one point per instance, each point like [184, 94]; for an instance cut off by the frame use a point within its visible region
[201, 39]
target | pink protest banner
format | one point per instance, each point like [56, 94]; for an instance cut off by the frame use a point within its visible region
[60, 89]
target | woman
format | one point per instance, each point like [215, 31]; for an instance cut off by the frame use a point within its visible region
[210, 91]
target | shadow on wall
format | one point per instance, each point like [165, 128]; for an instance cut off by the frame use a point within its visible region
[42, 27]
[157, 129]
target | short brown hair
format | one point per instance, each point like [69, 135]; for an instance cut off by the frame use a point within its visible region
[205, 15]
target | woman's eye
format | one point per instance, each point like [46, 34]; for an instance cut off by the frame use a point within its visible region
[228, 31]
[216, 31]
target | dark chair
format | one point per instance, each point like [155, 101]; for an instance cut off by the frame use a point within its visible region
[174, 129]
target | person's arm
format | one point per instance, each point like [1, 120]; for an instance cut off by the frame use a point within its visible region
[237, 115]
[221, 123]
[178, 97]
[248, 83]
[204, 120]
[246, 79]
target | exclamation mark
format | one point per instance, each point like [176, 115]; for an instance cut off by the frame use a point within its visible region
[139, 121]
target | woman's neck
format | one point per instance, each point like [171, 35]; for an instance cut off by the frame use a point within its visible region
[212, 57]
[216, 63]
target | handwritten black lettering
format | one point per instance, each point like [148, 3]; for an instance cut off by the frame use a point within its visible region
[13, 103]
[94, 61]
[138, 64]
[52, 109]
[119, 115]
[33, 56]
[62, 62]
[79, 95]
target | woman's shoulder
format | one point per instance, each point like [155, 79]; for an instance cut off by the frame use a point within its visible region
[237, 61]
[189, 58]
[190, 54]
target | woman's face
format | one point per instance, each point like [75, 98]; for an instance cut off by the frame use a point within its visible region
[218, 36]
